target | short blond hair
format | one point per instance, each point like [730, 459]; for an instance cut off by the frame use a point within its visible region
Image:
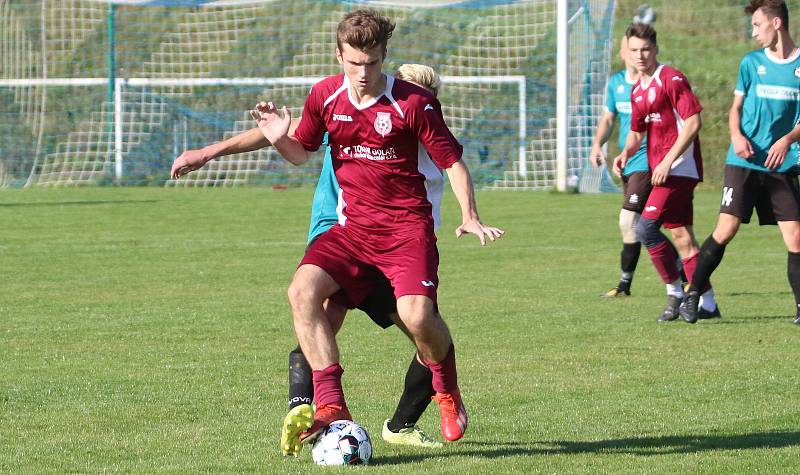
[425, 76]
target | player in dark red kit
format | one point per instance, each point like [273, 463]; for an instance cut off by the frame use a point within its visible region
[664, 108]
[377, 127]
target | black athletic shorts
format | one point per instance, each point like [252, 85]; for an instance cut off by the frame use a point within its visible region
[636, 188]
[380, 303]
[775, 196]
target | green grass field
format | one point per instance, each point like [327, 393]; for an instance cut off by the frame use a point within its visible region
[147, 330]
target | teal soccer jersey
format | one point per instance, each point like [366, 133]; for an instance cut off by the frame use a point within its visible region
[618, 102]
[325, 208]
[771, 107]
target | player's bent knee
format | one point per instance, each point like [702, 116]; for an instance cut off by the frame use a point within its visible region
[302, 297]
[627, 225]
[649, 232]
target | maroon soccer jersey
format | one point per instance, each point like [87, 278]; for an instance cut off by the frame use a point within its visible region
[660, 109]
[375, 148]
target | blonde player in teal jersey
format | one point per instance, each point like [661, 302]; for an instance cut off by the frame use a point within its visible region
[760, 168]
[380, 306]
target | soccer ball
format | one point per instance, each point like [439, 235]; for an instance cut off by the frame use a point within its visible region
[342, 443]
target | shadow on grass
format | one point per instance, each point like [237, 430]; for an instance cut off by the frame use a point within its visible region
[76, 203]
[745, 319]
[749, 293]
[644, 446]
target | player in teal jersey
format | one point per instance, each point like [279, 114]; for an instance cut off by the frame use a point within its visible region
[636, 174]
[764, 123]
[380, 305]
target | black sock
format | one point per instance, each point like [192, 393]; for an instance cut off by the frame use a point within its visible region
[301, 386]
[708, 259]
[628, 260]
[417, 394]
[793, 271]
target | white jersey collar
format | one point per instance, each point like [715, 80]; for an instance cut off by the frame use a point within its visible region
[365, 105]
[655, 77]
[795, 54]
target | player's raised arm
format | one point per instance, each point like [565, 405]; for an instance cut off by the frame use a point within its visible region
[276, 127]
[461, 182]
[247, 141]
[194, 159]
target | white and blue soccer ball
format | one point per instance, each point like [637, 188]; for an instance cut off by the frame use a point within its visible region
[342, 443]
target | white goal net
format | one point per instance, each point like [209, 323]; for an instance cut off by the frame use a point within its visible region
[97, 92]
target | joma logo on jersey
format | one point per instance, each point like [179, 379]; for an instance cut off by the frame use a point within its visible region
[652, 117]
[342, 118]
[383, 123]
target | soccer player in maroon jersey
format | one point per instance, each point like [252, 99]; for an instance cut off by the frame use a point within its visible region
[377, 126]
[666, 111]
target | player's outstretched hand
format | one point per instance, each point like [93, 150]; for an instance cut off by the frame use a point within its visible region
[777, 153]
[273, 125]
[596, 156]
[188, 161]
[479, 229]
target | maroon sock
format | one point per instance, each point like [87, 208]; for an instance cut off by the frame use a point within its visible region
[665, 261]
[445, 377]
[689, 265]
[328, 385]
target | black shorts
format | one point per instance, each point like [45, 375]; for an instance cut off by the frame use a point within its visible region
[636, 188]
[775, 196]
[380, 303]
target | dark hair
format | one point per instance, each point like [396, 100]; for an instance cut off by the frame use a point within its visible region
[642, 31]
[363, 30]
[771, 8]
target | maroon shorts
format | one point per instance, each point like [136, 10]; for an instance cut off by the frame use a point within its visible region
[672, 202]
[357, 260]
